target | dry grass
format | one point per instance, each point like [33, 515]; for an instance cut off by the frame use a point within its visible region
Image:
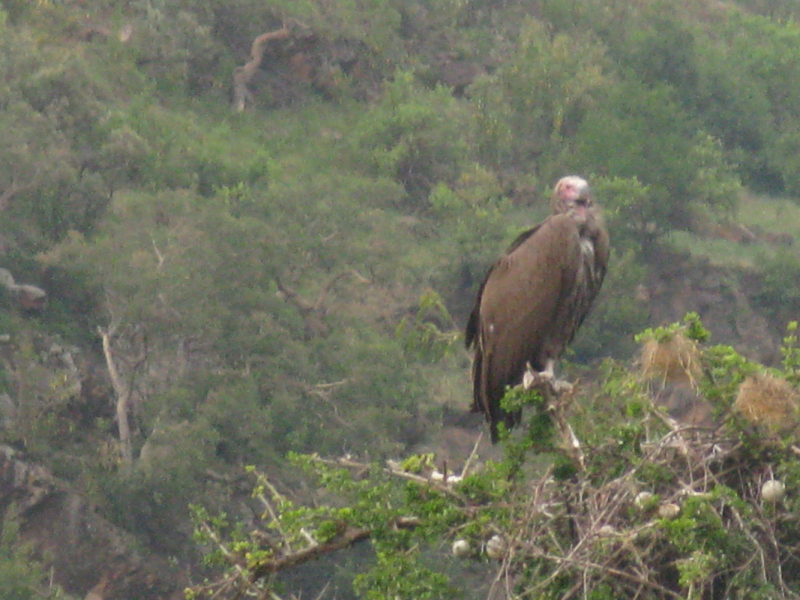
[675, 360]
[769, 401]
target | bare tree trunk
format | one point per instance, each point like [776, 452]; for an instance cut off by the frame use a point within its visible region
[123, 394]
[242, 75]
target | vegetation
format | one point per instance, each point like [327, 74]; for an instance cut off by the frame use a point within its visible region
[647, 508]
[230, 287]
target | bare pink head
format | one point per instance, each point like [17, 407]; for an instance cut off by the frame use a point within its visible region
[572, 196]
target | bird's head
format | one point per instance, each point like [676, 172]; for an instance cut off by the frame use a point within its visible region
[572, 196]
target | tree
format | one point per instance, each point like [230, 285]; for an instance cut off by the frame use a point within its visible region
[641, 132]
[531, 107]
[634, 518]
[417, 136]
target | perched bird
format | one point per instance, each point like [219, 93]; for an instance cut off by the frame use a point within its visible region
[535, 297]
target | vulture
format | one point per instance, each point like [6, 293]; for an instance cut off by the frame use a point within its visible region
[535, 297]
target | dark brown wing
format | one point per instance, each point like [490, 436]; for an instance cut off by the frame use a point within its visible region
[518, 317]
[471, 331]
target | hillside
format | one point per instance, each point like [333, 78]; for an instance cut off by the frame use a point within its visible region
[260, 227]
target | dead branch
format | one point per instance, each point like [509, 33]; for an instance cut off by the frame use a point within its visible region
[557, 395]
[473, 454]
[440, 481]
[123, 394]
[243, 580]
[313, 312]
[300, 303]
[348, 537]
[123, 385]
[242, 96]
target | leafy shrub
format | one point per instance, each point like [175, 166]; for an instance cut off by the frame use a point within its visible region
[651, 521]
[419, 137]
[22, 576]
[531, 106]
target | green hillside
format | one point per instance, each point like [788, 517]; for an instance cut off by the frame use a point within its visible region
[261, 226]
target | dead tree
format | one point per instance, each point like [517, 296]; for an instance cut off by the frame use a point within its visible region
[123, 384]
[242, 96]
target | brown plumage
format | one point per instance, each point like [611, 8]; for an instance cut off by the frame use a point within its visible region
[535, 297]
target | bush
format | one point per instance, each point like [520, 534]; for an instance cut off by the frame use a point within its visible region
[417, 136]
[605, 509]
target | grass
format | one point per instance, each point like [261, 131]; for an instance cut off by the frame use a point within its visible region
[776, 215]
[761, 214]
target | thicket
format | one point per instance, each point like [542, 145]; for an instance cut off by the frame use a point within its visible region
[292, 278]
[629, 503]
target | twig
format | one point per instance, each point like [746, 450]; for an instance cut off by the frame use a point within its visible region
[472, 456]
[347, 538]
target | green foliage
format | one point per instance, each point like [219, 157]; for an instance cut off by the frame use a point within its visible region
[535, 100]
[400, 576]
[624, 201]
[641, 133]
[791, 353]
[168, 475]
[662, 48]
[417, 136]
[175, 43]
[375, 510]
[422, 335]
[776, 271]
[158, 148]
[691, 327]
[291, 279]
[695, 531]
[473, 212]
[22, 577]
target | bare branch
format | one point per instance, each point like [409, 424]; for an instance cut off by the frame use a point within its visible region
[348, 537]
[473, 454]
[313, 312]
[123, 393]
[159, 256]
[242, 95]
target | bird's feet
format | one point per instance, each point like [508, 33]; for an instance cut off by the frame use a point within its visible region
[561, 386]
[532, 378]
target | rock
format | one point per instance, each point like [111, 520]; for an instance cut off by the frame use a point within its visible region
[8, 412]
[29, 297]
[85, 551]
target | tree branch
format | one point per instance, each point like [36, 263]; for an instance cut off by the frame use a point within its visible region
[123, 393]
[242, 75]
[348, 537]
